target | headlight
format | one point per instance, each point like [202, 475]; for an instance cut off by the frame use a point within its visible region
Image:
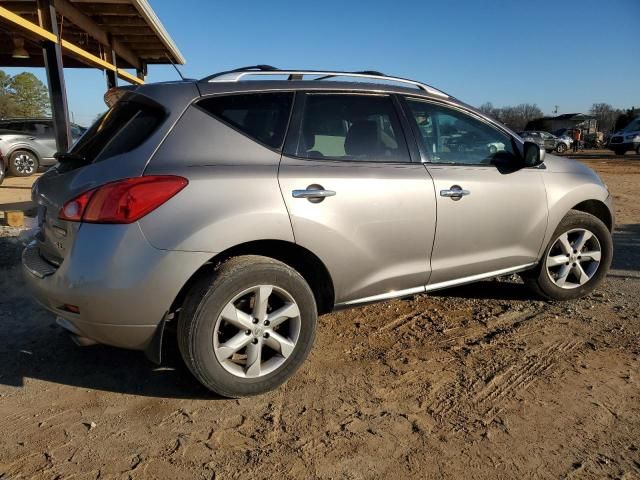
[632, 137]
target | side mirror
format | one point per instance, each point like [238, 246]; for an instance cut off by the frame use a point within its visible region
[533, 154]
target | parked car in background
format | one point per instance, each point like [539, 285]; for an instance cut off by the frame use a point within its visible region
[626, 139]
[547, 140]
[244, 206]
[30, 143]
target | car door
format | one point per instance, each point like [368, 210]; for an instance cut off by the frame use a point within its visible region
[492, 215]
[355, 197]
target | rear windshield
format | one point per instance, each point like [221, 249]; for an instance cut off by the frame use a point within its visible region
[121, 129]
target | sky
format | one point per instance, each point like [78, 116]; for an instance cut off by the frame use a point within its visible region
[570, 53]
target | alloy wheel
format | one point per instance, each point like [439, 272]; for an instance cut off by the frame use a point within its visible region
[257, 331]
[574, 258]
[25, 164]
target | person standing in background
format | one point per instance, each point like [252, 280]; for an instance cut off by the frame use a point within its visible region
[577, 136]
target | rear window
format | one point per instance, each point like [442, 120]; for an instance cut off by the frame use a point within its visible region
[121, 129]
[261, 116]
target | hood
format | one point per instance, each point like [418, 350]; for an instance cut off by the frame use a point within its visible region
[555, 164]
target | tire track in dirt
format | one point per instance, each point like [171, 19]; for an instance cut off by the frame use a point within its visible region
[492, 389]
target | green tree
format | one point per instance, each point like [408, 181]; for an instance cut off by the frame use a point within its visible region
[30, 95]
[22, 95]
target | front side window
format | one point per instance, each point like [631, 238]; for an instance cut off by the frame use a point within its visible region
[261, 116]
[361, 128]
[451, 136]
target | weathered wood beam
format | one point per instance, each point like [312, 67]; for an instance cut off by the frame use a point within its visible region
[93, 29]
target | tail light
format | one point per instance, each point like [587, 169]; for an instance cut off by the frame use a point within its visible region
[124, 201]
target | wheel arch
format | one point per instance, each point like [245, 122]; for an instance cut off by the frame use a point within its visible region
[598, 209]
[18, 147]
[299, 258]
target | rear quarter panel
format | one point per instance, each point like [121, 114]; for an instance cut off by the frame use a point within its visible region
[233, 195]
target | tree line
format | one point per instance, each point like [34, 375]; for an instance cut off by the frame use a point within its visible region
[23, 95]
[609, 119]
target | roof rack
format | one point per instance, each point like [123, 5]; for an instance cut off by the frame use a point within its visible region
[267, 70]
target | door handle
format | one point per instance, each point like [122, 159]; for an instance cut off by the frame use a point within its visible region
[456, 192]
[314, 193]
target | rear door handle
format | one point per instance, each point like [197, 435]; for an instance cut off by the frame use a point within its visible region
[456, 192]
[314, 193]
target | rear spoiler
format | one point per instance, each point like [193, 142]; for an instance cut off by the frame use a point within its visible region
[112, 95]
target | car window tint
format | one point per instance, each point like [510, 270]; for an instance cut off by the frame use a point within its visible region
[261, 116]
[121, 129]
[351, 127]
[451, 136]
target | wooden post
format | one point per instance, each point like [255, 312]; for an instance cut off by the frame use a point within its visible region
[112, 77]
[55, 76]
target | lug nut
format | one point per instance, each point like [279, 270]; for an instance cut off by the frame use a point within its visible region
[255, 320]
[254, 341]
[247, 332]
[266, 335]
[267, 322]
[575, 264]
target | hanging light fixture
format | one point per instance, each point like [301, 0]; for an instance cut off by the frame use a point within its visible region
[19, 51]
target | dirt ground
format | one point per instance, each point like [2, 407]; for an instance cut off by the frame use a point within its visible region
[484, 381]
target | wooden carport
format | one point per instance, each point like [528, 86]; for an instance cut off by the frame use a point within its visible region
[112, 35]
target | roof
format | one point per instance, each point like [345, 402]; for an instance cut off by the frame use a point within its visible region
[571, 116]
[130, 26]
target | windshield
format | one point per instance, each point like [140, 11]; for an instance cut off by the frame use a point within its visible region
[633, 126]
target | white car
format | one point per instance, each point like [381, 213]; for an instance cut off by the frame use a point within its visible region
[627, 139]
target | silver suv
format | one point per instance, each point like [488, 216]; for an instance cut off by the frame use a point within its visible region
[29, 143]
[240, 207]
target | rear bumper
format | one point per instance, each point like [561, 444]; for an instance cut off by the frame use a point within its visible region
[121, 284]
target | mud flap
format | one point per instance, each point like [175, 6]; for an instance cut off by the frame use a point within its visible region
[153, 350]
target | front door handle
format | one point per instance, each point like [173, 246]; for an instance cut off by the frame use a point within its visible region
[456, 192]
[314, 193]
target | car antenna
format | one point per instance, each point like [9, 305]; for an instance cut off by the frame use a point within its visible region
[176, 67]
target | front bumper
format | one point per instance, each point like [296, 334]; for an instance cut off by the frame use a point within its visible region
[121, 284]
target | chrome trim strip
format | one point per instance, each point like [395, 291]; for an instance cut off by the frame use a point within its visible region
[480, 276]
[384, 296]
[236, 76]
[435, 286]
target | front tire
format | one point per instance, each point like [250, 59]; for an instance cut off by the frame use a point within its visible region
[246, 329]
[23, 163]
[576, 260]
[619, 151]
[561, 148]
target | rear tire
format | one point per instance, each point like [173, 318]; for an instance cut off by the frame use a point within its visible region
[574, 263]
[23, 163]
[231, 344]
[561, 148]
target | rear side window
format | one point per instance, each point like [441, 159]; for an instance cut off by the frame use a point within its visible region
[363, 128]
[121, 129]
[261, 116]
